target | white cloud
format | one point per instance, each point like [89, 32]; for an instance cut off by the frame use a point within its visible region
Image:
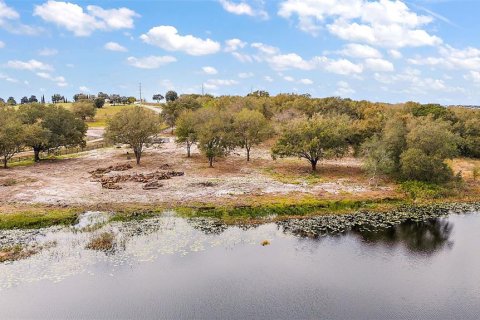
[150, 62]
[289, 61]
[242, 8]
[114, 19]
[222, 82]
[413, 81]
[379, 65]
[360, 51]
[47, 52]
[213, 84]
[2, 44]
[268, 78]
[306, 81]
[452, 58]
[341, 66]
[113, 46]
[392, 36]
[59, 80]
[242, 57]
[473, 76]
[395, 54]
[8, 78]
[167, 37]
[234, 45]
[209, 70]
[245, 75]
[31, 65]
[7, 13]
[9, 21]
[265, 49]
[384, 23]
[84, 22]
[344, 89]
[84, 89]
[288, 78]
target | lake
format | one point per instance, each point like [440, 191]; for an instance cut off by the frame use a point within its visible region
[170, 267]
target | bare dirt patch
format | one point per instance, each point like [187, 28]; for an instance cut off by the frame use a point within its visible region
[78, 181]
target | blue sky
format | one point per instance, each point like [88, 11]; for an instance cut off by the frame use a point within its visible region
[382, 50]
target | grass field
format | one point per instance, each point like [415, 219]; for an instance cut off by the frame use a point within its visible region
[105, 113]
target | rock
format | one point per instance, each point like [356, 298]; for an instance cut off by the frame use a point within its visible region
[111, 186]
[152, 185]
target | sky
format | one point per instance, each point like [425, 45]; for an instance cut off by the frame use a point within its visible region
[379, 50]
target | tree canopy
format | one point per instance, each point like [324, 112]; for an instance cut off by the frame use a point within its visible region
[135, 127]
[314, 139]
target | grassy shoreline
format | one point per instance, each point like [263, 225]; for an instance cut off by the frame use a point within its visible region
[40, 216]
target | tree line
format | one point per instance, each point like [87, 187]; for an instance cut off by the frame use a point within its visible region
[39, 127]
[409, 141]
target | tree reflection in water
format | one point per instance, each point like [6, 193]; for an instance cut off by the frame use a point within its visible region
[425, 237]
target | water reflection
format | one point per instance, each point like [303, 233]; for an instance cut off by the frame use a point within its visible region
[424, 237]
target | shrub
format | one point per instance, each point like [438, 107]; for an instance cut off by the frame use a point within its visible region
[103, 242]
[423, 190]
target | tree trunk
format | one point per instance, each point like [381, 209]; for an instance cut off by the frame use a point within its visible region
[36, 153]
[210, 160]
[314, 164]
[138, 155]
[188, 149]
[248, 153]
[5, 162]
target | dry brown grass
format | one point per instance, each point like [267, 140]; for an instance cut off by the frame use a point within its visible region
[466, 166]
[102, 242]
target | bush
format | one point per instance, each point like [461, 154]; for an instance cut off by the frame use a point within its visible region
[417, 165]
[103, 242]
[423, 190]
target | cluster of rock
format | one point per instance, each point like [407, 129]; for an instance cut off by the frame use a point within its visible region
[150, 180]
[98, 173]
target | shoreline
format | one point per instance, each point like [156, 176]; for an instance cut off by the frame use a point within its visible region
[21, 216]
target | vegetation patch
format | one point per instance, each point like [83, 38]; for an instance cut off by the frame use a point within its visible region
[283, 210]
[38, 218]
[309, 178]
[19, 252]
[418, 190]
[102, 242]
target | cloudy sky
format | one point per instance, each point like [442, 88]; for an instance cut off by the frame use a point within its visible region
[383, 50]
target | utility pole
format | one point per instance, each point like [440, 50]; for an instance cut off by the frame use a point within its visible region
[140, 89]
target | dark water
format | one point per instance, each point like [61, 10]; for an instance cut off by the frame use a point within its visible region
[171, 268]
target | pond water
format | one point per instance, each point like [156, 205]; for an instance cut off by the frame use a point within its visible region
[169, 267]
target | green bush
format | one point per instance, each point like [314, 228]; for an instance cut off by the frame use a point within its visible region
[417, 165]
[423, 190]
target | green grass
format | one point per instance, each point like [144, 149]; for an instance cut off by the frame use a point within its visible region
[31, 162]
[105, 113]
[35, 219]
[285, 209]
[310, 178]
[136, 214]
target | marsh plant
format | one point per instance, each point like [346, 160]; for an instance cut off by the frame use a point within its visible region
[105, 241]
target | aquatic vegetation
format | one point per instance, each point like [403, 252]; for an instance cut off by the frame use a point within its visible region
[102, 242]
[265, 243]
[286, 209]
[314, 227]
[18, 251]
